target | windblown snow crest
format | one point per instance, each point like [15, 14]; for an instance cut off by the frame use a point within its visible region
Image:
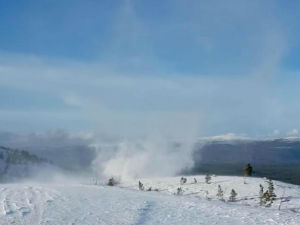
[143, 158]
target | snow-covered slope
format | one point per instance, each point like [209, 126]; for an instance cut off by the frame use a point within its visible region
[75, 203]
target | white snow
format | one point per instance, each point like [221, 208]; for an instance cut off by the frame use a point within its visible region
[77, 203]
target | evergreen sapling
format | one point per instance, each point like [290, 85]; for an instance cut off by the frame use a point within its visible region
[207, 179]
[233, 195]
[261, 194]
[220, 193]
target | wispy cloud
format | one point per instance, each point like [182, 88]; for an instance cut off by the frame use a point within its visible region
[198, 67]
[128, 104]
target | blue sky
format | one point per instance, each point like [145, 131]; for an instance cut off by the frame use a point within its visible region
[132, 68]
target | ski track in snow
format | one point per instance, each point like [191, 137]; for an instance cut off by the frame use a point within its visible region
[144, 213]
[23, 204]
[76, 204]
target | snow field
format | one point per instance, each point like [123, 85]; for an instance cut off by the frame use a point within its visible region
[86, 204]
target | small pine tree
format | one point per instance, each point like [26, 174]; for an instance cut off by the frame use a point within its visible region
[232, 197]
[268, 196]
[207, 179]
[183, 180]
[111, 182]
[220, 193]
[195, 180]
[265, 199]
[179, 191]
[272, 195]
[141, 186]
[261, 193]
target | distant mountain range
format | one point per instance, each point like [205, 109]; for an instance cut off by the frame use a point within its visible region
[278, 159]
[277, 151]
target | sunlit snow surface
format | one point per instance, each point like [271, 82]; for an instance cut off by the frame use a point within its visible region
[85, 203]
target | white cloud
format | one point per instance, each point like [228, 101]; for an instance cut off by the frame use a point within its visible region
[226, 137]
[126, 101]
[276, 133]
[72, 100]
[130, 104]
[293, 133]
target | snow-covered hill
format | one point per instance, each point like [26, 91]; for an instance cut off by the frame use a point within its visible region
[78, 203]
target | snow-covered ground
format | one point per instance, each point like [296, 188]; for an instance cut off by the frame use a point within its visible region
[246, 188]
[78, 203]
